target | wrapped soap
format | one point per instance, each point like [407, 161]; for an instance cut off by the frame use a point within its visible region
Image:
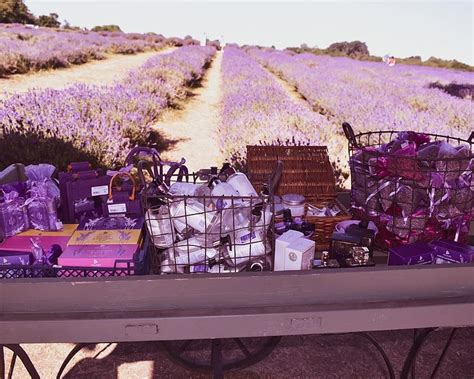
[418, 138]
[452, 161]
[403, 163]
[367, 198]
[408, 228]
[42, 208]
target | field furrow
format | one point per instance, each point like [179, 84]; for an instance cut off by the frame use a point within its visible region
[374, 96]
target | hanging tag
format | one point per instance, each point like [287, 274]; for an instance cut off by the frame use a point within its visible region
[99, 190]
[117, 208]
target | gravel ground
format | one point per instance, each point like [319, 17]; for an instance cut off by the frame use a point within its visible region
[323, 356]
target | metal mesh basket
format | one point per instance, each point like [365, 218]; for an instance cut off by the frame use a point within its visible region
[204, 233]
[412, 196]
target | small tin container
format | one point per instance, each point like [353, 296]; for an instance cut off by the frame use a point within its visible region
[295, 203]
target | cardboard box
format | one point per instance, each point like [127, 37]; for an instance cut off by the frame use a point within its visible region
[68, 230]
[452, 252]
[23, 243]
[112, 223]
[299, 255]
[8, 258]
[280, 245]
[106, 237]
[98, 255]
[418, 253]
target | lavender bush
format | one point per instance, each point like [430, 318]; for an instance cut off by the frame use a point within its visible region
[26, 48]
[99, 122]
[374, 96]
[258, 110]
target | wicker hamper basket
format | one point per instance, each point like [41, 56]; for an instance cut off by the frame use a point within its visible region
[306, 171]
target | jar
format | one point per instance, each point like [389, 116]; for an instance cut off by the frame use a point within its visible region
[295, 203]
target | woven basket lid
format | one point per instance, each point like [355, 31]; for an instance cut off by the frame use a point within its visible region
[307, 170]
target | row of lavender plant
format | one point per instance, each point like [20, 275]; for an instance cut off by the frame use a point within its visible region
[374, 96]
[102, 122]
[24, 48]
[258, 110]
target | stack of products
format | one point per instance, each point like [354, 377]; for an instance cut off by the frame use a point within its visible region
[107, 242]
[35, 246]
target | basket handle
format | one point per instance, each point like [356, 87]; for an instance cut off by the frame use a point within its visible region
[144, 165]
[471, 138]
[140, 149]
[349, 132]
[275, 177]
[132, 196]
[182, 171]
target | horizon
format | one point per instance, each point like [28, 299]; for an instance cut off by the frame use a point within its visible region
[284, 24]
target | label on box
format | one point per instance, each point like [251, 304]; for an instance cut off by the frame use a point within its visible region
[117, 208]
[99, 190]
[105, 237]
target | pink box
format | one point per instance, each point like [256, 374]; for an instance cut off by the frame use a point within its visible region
[23, 243]
[98, 255]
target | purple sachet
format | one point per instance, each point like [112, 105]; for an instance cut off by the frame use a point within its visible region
[13, 215]
[42, 209]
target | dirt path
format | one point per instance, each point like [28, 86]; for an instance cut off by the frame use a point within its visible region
[195, 125]
[96, 72]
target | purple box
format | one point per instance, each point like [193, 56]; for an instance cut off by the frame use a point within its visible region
[112, 223]
[418, 253]
[107, 256]
[8, 258]
[452, 252]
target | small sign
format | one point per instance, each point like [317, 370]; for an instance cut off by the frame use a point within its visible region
[117, 208]
[100, 190]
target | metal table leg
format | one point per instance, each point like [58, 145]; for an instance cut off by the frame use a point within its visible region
[70, 356]
[21, 353]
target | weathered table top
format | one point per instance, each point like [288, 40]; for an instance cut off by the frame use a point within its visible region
[173, 307]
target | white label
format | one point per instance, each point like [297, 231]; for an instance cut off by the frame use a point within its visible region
[99, 190]
[117, 208]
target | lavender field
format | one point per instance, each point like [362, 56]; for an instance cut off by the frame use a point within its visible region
[25, 48]
[263, 96]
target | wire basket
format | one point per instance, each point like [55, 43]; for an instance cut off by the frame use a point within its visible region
[202, 233]
[415, 187]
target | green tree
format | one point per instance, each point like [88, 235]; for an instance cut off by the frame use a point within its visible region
[50, 21]
[106, 28]
[15, 11]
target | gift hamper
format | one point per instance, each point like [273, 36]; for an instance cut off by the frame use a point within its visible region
[413, 186]
[201, 223]
[307, 171]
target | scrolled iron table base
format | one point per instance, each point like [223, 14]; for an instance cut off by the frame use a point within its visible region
[216, 361]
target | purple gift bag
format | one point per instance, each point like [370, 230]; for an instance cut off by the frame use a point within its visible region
[122, 200]
[82, 190]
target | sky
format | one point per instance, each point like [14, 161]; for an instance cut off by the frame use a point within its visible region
[443, 29]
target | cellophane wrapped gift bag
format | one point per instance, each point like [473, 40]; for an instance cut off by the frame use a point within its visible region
[43, 198]
[13, 214]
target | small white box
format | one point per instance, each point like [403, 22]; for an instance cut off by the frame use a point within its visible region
[299, 255]
[280, 245]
